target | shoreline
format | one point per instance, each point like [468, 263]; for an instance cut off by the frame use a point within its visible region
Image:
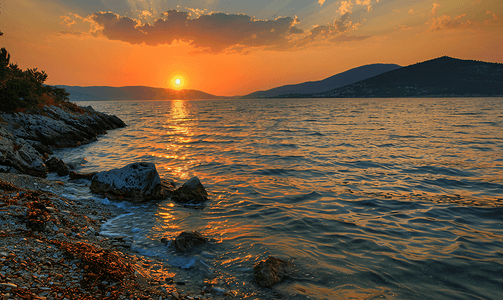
[49, 244]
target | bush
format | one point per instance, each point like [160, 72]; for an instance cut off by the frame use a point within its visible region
[25, 89]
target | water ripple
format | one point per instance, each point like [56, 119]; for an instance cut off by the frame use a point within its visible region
[370, 198]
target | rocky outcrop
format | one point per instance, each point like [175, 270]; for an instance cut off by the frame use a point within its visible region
[137, 182]
[26, 138]
[54, 164]
[187, 240]
[191, 192]
[271, 271]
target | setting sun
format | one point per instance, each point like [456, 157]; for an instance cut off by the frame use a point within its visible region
[177, 82]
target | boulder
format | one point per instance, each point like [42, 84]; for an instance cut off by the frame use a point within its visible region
[19, 154]
[271, 271]
[191, 192]
[187, 240]
[137, 182]
[56, 165]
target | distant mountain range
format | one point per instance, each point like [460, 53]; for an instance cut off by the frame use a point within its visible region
[439, 77]
[330, 83]
[107, 93]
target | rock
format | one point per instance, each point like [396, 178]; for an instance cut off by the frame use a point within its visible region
[25, 138]
[56, 165]
[137, 182]
[187, 240]
[191, 192]
[18, 153]
[75, 175]
[271, 271]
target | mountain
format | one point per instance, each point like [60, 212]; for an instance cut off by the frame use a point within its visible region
[106, 93]
[330, 83]
[440, 77]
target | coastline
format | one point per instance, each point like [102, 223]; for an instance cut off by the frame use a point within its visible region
[51, 249]
[50, 246]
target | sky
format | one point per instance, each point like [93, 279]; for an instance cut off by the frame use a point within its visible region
[230, 48]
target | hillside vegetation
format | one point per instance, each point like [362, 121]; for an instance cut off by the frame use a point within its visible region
[24, 90]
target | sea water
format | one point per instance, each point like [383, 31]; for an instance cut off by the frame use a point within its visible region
[369, 198]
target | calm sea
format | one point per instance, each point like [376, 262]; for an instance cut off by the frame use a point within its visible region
[370, 198]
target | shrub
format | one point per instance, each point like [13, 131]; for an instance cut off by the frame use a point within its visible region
[21, 90]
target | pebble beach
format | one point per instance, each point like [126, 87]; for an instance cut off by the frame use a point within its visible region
[50, 248]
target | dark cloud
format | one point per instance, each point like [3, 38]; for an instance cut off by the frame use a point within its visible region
[348, 38]
[213, 32]
[326, 31]
[74, 33]
[219, 32]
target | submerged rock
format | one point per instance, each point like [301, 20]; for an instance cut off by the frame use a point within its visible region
[137, 182]
[271, 271]
[187, 240]
[56, 165]
[191, 192]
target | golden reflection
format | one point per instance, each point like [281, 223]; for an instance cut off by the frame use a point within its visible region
[178, 124]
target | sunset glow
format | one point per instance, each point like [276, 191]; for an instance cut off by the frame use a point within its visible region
[240, 47]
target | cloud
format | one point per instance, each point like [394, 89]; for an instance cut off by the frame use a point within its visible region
[349, 38]
[435, 8]
[67, 21]
[71, 33]
[495, 17]
[321, 2]
[445, 22]
[346, 7]
[214, 32]
[327, 32]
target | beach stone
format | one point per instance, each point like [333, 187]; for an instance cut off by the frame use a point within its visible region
[191, 192]
[271, 271]
[137, 182]
[56, 165]
[187, 240]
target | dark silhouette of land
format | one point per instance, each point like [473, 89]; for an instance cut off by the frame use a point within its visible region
[107, 93]
[330, 83]
[439, 77]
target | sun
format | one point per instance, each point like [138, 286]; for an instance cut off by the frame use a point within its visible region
[177, 82]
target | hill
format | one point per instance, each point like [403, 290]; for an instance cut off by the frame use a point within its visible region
[107, 93]
[330, 83]
[440, 77]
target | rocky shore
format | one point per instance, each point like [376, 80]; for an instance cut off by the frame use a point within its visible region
[51, 247]
[26, 139]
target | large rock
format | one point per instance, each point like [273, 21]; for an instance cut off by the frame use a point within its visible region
[137, 182]
[56, 165]
[26, 137]
[187, 240]
[17, 153]
[271, 271]
[191, 192]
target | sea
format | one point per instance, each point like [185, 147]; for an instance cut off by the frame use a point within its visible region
[368, 198]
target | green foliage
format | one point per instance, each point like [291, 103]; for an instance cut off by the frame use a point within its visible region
[25, 89]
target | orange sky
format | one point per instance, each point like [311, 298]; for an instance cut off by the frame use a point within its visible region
[233, 47]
